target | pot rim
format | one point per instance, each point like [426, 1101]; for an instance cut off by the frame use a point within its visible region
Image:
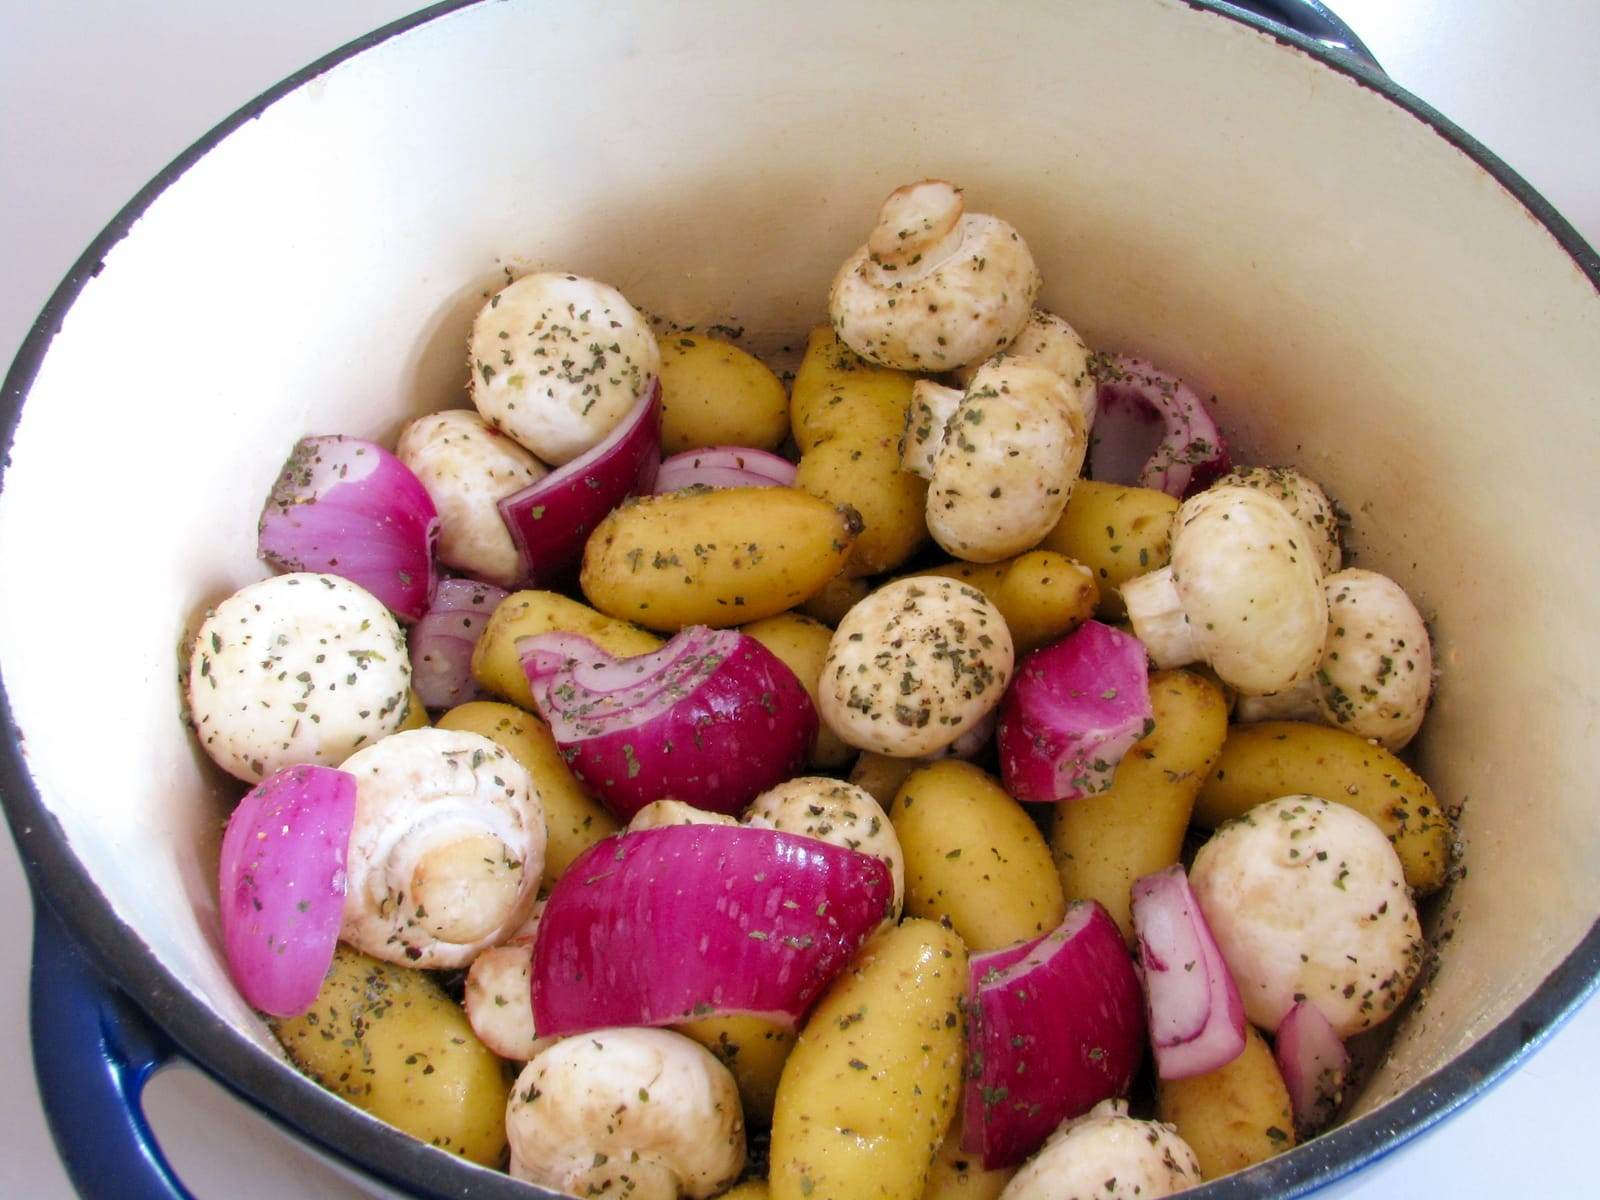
[320, 1117]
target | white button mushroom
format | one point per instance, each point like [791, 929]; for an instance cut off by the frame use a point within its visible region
[1108, 1155]
[557, 362]
[1243, 593]
[636, 1114]
[1307, 901]
[675, 812]
[927, 416]
[1377, 664]
[935, 287]
[1048, 340]
[1304, 498]
[296, 669]
[1004, 470]
[468, 468]
[837, 812]
[914, 666]
[447, 850]
[499, 994]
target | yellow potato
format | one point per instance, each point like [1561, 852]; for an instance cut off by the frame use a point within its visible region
[714, 394]
[870, 1090]
[881, 776]
[1103, 843]
[974, 857]
[1118, 533]
[716, 558]
[753, 1050]
[891, 502]
[839, 394]
[802, 644]
[1042, 595]
[750, 1189]
[573, 820]
[838, 597]
[1235, 1116]
[416, 713]
[957, 1176]
[1286, 758]
[495, 663]
[390, 1041]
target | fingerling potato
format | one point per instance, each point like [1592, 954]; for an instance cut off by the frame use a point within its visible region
[754, 1052]
[839, 394]
[714, 394]
[1118, 533]
[891, 502]
[1235, 1116]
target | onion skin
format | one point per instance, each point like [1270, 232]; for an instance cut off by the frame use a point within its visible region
[1192, 453]
[442, 642]
[1054, 1026]
[1073, 710]
[1314, 1063]
[347, 507]
[689, 921]
[736, 723]
[1196, 1014]
[551, 519]
[281, 885]
[724, 467]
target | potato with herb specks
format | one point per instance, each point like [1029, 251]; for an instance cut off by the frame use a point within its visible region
[957, 1175]
[1235, 1116]
[1117, 533]
[754, 1052]
[390, 1041]
[870, 1090]
[837, 598]
[498, 668]
[714, 394]
[717, 558]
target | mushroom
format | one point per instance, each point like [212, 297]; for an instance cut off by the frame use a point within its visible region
[644, 1114]
[1376, 671]
[468, 468]
[1307, 901]
[1048, 340]
[499, 994]
[675, 812]
[914, 666]
[1305, 499]
[1108, 1155]
[557, 362]
[831, 810]
[1243, 593]
[935, 287]
[447, 850]
[1005, 467]
[927, 416]
[296, 669]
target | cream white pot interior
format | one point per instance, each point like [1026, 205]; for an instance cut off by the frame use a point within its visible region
[1365, 300]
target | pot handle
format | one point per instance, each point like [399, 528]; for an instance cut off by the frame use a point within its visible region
[1314, 20]
[93, 1052]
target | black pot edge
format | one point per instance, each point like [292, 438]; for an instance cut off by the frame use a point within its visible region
[322, 1118]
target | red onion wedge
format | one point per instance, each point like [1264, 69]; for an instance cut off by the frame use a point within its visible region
[1137, 403]
[1072, 712]
[346, 507]
[724, 467]
[1196, 1016]
[552, 518]
[1054, 1026]
[281, 885]
[713, 718]
[442, 642]
[687, 921]
[1314, 1063]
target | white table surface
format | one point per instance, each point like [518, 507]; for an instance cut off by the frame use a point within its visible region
[97, 95]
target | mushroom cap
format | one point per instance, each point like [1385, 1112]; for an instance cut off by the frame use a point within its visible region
[1011, 452]
[1107, 1154]
[467, 468]
[1250, 588]
[557, 362]
[499, 1001]
[1303, 497]
[419, 795]
[1377, 663]
[1051, 342]
[641, 1113]
[831, 810]
[1307, 900]
[934, 287]
[675, 812]
[298, 668]
[914, 666]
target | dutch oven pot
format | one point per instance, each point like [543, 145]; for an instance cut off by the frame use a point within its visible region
[1370, 294]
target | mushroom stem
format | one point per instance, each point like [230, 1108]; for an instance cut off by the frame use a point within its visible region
[464, 890]
[1297, 703]
[932, 405]
[918, 224]
[1156, 612]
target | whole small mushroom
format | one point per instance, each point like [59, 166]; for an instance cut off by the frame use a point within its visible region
[1303, 497]
[499, 994]
[644, 1114]
[557, 362]
[1243, 593]
[935, 287]
[447, 850]
[1109, 1155]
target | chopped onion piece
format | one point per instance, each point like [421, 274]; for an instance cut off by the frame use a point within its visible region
[1135, 402]
[724, 467]
[1314, 1063]
[442, 642]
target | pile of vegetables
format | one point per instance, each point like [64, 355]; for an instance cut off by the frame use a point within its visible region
[637, 693]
